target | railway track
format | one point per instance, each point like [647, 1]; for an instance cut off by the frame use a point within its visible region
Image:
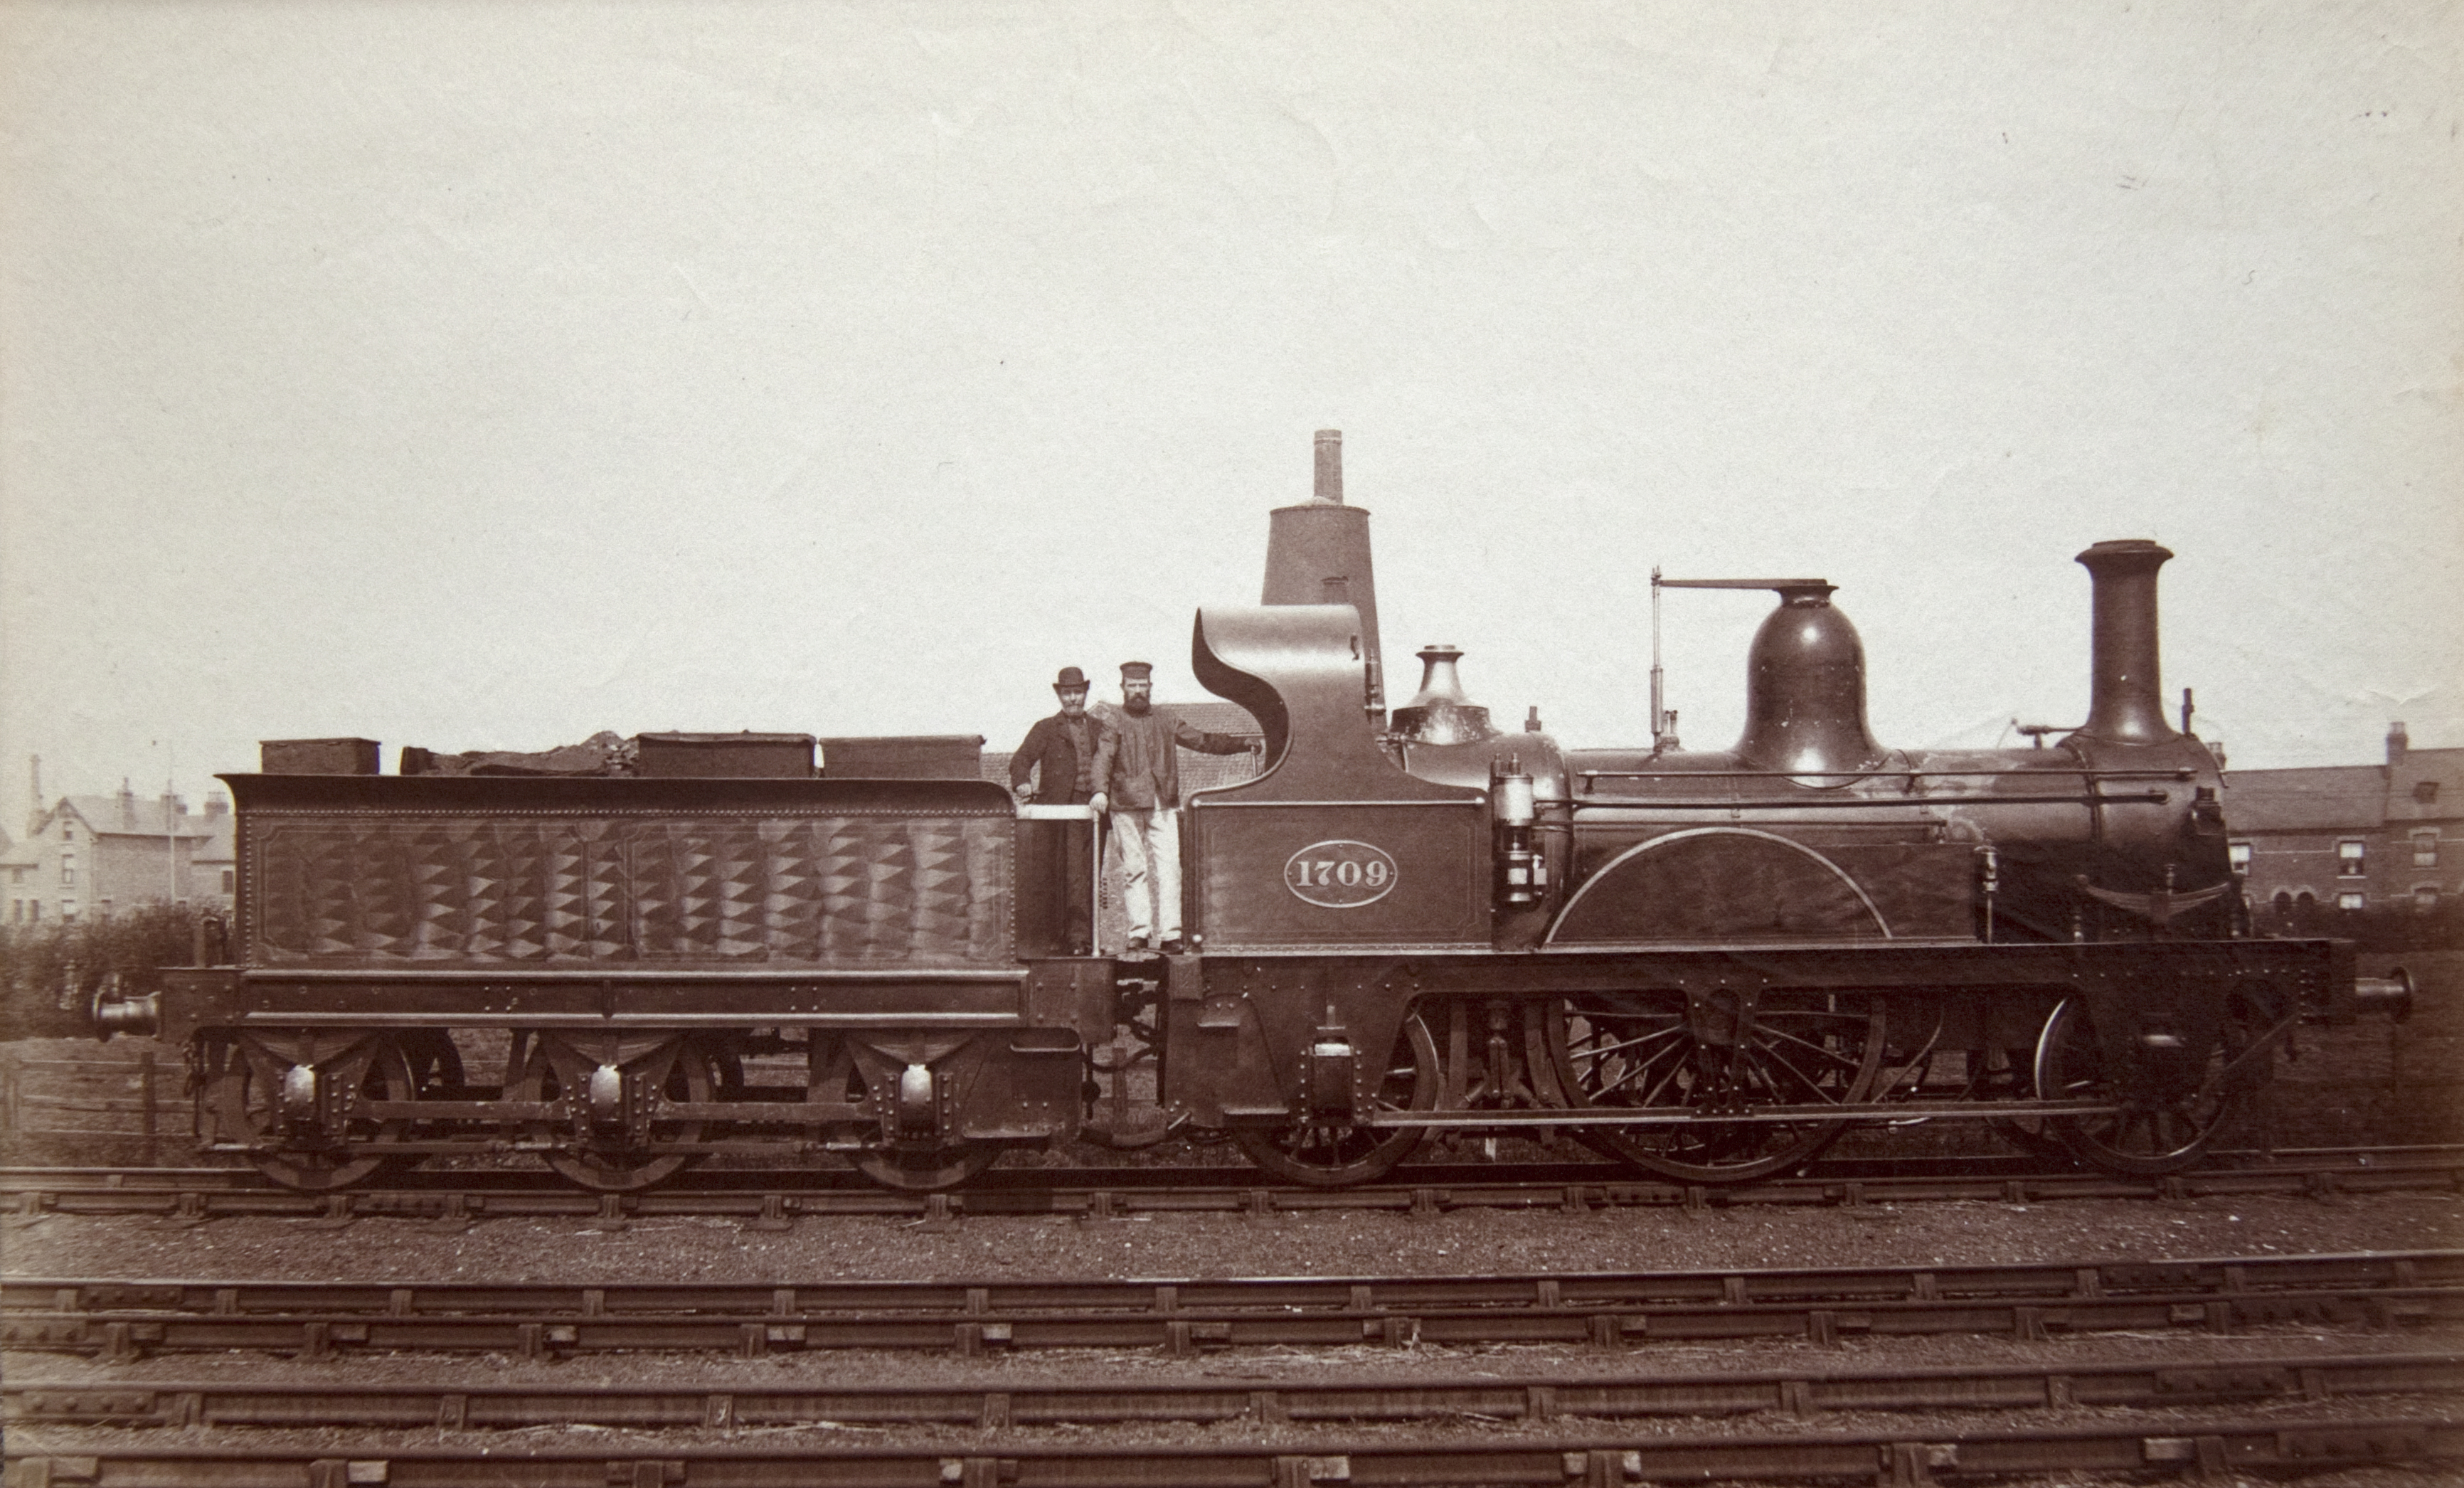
[772, 1197]
[1803, 1393]
[2208, 1448]
[122, 1321]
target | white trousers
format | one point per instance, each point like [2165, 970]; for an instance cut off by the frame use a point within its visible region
[1150, 866]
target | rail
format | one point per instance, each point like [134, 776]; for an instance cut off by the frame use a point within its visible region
[124, 1320]
[2169, 1383]
[2209, 1448]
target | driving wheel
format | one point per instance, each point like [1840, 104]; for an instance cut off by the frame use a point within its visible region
[1715, 1063]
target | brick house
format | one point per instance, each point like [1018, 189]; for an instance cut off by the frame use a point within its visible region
[2349, 838]
[97, 855]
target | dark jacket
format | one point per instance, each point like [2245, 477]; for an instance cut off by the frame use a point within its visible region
[1145, 765]
[1047, 744]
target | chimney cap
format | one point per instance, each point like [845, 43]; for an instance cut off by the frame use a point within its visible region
[1328, 487]
[2119, 549]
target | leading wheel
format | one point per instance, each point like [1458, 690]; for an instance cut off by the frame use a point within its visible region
[924, 1171]
[246, 1099]
[1649, 1052]
[1332, 1154]
[616, 1162]
[2150, 1132]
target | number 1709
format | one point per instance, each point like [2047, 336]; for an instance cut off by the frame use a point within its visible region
[1346, 872]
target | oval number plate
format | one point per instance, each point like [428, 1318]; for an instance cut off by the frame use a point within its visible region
[1340, 875]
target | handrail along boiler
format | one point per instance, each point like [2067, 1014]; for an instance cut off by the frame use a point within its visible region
[1707, 964]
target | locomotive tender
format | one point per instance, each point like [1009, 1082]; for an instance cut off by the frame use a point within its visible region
[1706, 964]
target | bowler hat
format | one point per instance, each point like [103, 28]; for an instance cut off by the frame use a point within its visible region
[1136, 672]
[1071, 677]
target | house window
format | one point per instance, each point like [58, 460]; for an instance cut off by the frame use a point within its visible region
[2348, 901]
[68, 868]
[103, 906]
[2425, 791]
[33, 911]
[227, 875]
[68, 910]
[2352, 859]
[2425, 898]
[2425, 850]
[2238, 856]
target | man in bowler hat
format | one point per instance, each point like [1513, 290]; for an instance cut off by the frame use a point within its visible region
[1140, 777]
[1063, 763]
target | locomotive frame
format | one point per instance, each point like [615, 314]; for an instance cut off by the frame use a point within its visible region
[1706, 965]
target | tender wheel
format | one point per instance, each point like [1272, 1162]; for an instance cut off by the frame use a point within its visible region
[2149, 1135]
[247, 1095]
[435, 1074]
[924, 1171]
[1326, 1154]
[612, 1163]
[435, 1063]
[1649, 1052]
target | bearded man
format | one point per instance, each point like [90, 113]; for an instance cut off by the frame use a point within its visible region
[1142, 781]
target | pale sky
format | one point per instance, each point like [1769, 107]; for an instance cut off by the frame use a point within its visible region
[481, 376]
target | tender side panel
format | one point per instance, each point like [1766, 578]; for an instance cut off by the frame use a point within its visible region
[609, 883]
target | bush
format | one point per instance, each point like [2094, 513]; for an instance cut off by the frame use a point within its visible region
[49, 972]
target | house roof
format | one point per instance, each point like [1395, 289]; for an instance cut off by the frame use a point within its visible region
[222, 844]
[122, 815]
[2323, 798]
[2441, 770]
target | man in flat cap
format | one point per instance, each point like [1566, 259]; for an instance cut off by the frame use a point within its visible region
[1142, 779]
[1063, 763]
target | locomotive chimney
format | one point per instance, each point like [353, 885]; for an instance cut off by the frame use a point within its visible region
[1318, 554]
[2125, 706]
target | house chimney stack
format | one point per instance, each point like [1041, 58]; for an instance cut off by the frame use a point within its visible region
[2398, 743]
[127, 805]
[34, 771]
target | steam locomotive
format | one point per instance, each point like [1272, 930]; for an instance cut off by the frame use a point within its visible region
[1707, 965]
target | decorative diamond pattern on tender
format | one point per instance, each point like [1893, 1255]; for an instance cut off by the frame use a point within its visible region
[549, 891]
